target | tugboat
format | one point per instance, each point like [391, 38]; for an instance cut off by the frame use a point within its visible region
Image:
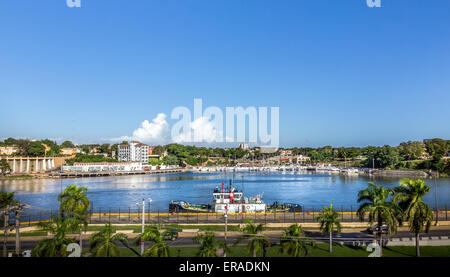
[232, 200]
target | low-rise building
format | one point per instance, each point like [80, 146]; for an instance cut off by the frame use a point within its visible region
[8, 150]
[68, 151]
[301, 159]
[104, 166]
[243, 146]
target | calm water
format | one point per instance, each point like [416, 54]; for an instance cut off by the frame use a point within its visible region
[310, 190]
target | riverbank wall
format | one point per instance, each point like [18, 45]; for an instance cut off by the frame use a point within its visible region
[395, 173]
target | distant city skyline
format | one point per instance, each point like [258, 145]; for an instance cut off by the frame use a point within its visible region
[341, 73]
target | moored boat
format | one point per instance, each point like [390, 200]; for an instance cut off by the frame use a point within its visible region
[231, 200]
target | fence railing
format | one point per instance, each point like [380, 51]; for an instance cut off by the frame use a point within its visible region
[134, 216]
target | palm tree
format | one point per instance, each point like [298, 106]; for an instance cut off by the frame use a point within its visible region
[257, 243]
[374, 200]
[73, 199]
[419, 215]
[209, 246]
[294, 241]
[57, 245]
[329, 219]
[75, 203]
[155, 234]
[7, 202]
[105, 242]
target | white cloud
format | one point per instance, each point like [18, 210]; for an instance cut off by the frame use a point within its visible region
[150, 132]
[200, 130]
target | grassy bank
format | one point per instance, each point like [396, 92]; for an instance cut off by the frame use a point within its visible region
[16, 177]
[321, 250]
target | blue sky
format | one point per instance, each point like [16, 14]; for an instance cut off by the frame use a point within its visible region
[342, 74]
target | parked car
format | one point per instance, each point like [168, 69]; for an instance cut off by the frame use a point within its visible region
[375, 229]
[171, 235]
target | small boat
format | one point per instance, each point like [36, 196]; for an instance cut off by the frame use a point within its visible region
[284, 207]
[183, 206]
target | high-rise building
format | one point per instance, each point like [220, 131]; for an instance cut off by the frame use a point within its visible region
[135, 151]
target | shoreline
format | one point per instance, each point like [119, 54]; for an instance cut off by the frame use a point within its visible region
[419, 174]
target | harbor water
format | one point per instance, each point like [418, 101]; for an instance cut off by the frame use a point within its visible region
[309, 190]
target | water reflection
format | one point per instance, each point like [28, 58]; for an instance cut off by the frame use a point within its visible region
[310, 190]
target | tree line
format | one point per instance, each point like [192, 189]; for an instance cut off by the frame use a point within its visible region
[416, 155]
[47, 147]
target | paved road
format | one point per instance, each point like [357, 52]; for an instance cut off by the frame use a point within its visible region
[28, 243]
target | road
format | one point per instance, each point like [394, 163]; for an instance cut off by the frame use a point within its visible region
[347, 236]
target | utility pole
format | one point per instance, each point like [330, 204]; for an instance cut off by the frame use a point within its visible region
[242, 185]
[226, 228]
[435, 197]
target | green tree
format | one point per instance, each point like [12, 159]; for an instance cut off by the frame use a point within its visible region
[105, 242]
[86, 149]
[171, 160]
[374, 200]
[411, 150]
[417, 213]
[55, 246]
[329, 219]
[209, 246]
[294, 242]
[159, 150]
[257, 243]
[7, 202]
[23, 146]
[54, 147]
[155, 234]
[105, 148]
[73, 199]
[74, 203]
[4, 167]
[36, 149]
[67, 144]
[84, 158]
[384, 157]
[10, 141]
[436, 148]
[154, 161]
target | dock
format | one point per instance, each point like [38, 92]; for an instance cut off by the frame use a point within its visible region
[117, 173]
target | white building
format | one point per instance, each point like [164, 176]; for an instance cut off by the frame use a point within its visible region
[106, 166]
[135, 151]
[243, 146]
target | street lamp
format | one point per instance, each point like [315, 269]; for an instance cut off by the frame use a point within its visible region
[143, 225]
[226, 227]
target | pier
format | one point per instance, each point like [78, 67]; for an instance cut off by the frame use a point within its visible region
[118, 173]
